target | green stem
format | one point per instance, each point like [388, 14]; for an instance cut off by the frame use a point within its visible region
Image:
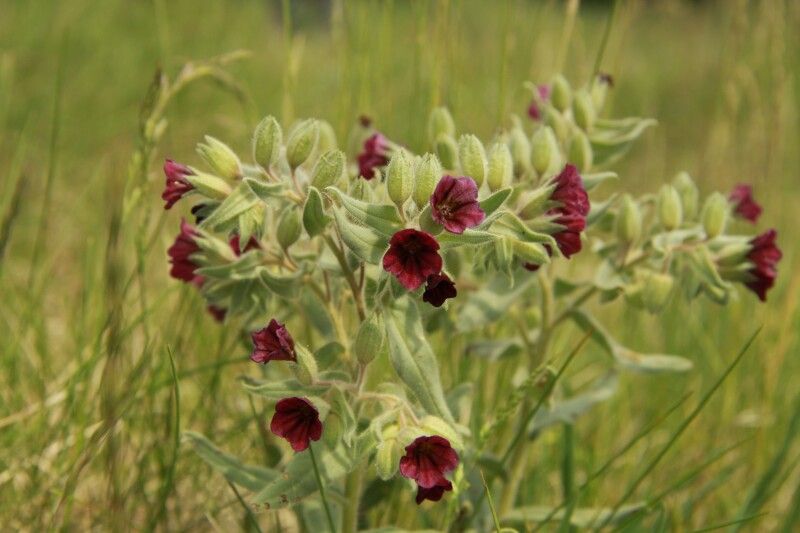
[321, 489]
[348, 275]
[352, 494]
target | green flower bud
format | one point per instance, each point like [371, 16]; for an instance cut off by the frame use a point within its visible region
[289, 227]
[715, 215]
[670, 210]
[629, 221]
[387, 458]
[440, 122]
[599, 90]
[327, 137]
[334, 428]
[427, 175]
[328, 169]
[306, 368]
[220, 158]
[583, 110]
[561, 95]
[447, 150]
[520, 148]
[501, 167]
[652, 290]
[267, 141]
[400, 178]
[690, 196]
[208, 185]
[472, 156]
[301, 142]
[560, 126]
[545, 154]
[369, 340]
[314, 218]
[580, 151]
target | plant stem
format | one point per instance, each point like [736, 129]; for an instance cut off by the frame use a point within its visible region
[348, 274]
[321, 489]
[352, 494]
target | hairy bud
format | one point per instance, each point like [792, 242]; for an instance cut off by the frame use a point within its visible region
[715, 215]
[629, 220]
[306, 368]
[289, 227]
[440, 122]
[545, 154]
[267, 141]
[520, 148]
[447, 150]
[472, 157]
[220, 158]
[327, 137]
[301, 142]
[427, 175]
[580, 151]
[583, 110]
[328, 169]
[690, 196]
[400, 178]
[561, 95]
[501, 167]
[670, 211]
[387, 457]
[369, 340]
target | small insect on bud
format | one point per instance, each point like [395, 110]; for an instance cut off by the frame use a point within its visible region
[689, 194]
[583, 110]
[289, 227]
[328, 169]
[472, 157]
[501, 167]
[562, 93]
[599, 89]
[670, 211]
[447, 150]
[715, 215]
[520, 148]
[580, 151]
[267, 141]
[306, 368]
[629, 221]
[427, 175]
[220, 158]
[545, 154]
[301, 142]
[440, 122]
[369, 340]
[400, 178]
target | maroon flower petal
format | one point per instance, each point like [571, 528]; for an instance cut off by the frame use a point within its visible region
[297, 421]
[427, 459]
[744, 205]
[217, 312]
[533, 109]
[764, 255]
[572, 210]
[434, 493]
[439, 288]
[375, 154]
[412, 256]
[454, 204]
[252, 244]
[176, 184]
[180, 254]
[272, 343]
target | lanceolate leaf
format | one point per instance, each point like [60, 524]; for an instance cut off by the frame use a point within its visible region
[382, 218]
[493, 202]
[239, 201]
[567, 410]
[250, 477]
[364, 242]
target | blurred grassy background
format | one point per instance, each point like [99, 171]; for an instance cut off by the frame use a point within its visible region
[86, 405]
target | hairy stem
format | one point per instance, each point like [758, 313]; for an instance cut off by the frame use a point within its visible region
[352, 494]
[321, 489]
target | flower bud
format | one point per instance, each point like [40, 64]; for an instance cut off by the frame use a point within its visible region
[580, 151]
[301, 142]
[306, 368]
[327, 137]
[562, 93]
[440, 122]
[314, 218]
[289, 227]
[472, 157]
[560, 126]
[387, 457]
[599, 90]
[629, 221]
[545, 154]
[334, 428]
[400, 178]
[220, 158]
[670, 211]
[583, 110]
[501, 167]
[267, 141]
[447, 150]
[427, 175]
[520, 148]
[689, 194]
[369, 340]
[328, 169]
[657, 291]
[715, 215]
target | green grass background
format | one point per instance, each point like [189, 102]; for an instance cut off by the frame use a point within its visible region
[87, 412]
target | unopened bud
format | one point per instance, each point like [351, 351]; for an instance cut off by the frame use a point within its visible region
[629, 220]
[501, 167]
[327, 137]
[472, 157]
[689, 194]
[427, 175]
[306, 368]
[715, 215]
[289, 227]
[387, 458]
[267, 141]
[220, 158]
[562, 93]
[560, 126]
[369, 340]
[328, 169]
[656, 291]
[580, 151]
[583, 110]
[314, 218]
[670, 211]
[334, 428]
[545, 154]
[440, 122]
[447, 150]
[208, 185]
[301, 142]
[400, 178]
[520, 148]
[599, 90]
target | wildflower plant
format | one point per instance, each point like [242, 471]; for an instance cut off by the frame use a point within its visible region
[353, 263]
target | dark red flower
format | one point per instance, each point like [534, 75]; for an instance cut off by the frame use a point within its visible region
[572, 211]
[374, 154]
[434, 493]
[764, 255]
[180, 254]
[533, 109]
[439, 288]
[744, 205]
[272, 343]
[412, 256]
[176, 183]
[297, 421]
[454, 204]
[427, 460]
[252, 244]
[217, 312]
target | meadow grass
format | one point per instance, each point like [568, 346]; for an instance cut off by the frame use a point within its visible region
[104, 359]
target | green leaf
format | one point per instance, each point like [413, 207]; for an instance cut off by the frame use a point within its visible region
[264, 190]
[470, 237]
[285, 286]
[611, 139]
[314, 218]
[239, 201]
[580, 517]
[250, 477]
[382, 218]
[568, 410]
[494, 201]
[277, 390]
[413, 358]
[245, 267]
[590, 181]
[367, 244]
